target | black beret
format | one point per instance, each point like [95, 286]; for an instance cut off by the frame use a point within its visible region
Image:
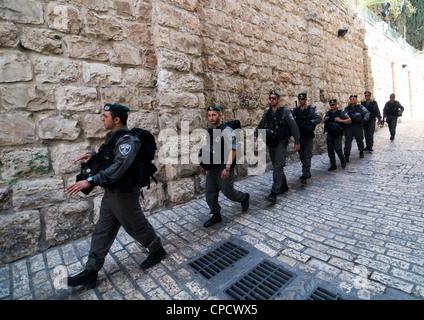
[333, 100]
[302, 94]
[274, 92]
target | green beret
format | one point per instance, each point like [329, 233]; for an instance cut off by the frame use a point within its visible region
[213, 108]
[333, 100]
[274, 92]
[303, 94]
[115, 107]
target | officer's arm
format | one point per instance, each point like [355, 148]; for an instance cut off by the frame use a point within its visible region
[293, 126]
[316, 117]
[261, 125]
[125, 152]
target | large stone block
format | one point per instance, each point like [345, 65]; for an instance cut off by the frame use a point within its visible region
[139, 78]
[51, 128]
[24, 162]
[22, 11]
[16, 129]
[104, 27]
[153, 197]
[127, 96]
[9, 35]
[31, 98]
[75, 98]
[19, 235]
[53, 70]
[63, 154]
[67, 221]
[144, 119]
[41, 40]
[14, 67]
[39, 193]
[64, 18]
[100, 73]
[93, 126]
[84, 48]
[125, 54]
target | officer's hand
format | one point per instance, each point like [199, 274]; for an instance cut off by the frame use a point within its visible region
[296, 147]
[203, 171]
[86, 157]
[77, 187]
[255, 138]
[225, 174]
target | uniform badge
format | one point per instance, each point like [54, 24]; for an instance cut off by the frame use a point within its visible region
[125, 149]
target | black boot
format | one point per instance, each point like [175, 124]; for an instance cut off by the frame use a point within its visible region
[343, 163]
[303, 179]
[332, 167]
[216, 218]
[154, 258]
[245, 203]
[361, 154]
[87, 278]
[272, 197]
[284, 188]
[346, 158]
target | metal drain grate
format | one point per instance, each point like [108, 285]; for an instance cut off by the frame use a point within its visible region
[214, 262]
[322, 294]
[262, 283]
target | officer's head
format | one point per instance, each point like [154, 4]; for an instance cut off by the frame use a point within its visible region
[367, 95]
[114, 116]
[214, 115]
[353, 99]
[392, 97]
[333, 104]
[274, 98]
[302, 97]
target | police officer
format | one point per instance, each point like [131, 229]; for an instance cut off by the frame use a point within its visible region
[221, 174]
[355, 129]
[120, 204]
[334, 122]
[281, 120]
[369, 126]
[306, 117]
[392, 110]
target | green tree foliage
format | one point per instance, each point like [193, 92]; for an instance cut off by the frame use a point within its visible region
[415, 26]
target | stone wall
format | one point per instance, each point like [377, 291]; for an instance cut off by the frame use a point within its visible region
[61, 61]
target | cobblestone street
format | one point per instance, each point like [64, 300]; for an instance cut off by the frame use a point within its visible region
[357, 233]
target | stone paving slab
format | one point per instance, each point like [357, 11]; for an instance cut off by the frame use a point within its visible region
[357, 232]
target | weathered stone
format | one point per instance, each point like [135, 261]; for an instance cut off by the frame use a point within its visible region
[14, 67]
[9, 35]
[103, 27]
[138, 78]
[6, 205]
[139, 34]
[84, 48]
[153, 197]
[31, 98]
[64, 18]
[69, 220]
[22, 11]
[125, 54]
[181, 191]
[56, 70]
[127, 96]
[98, 5]
[38, 193]
[63, 154]
[22, 231]
[41, 40]
[58, 128]
[16, 129]
[101, 73]
[74, 98]
[145, 120]
[25, 161]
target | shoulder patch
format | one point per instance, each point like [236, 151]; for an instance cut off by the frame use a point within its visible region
[125, 149]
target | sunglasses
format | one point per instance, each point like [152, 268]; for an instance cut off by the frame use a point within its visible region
[272, 98]
[332, 104]
[301, 98]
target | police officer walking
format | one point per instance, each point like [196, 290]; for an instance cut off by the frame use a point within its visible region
[279, 120]
[335, 121]
[392, 110]
[369, 126]
[120, 204]
[355, 129]
[221, 175]
[306, 117]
